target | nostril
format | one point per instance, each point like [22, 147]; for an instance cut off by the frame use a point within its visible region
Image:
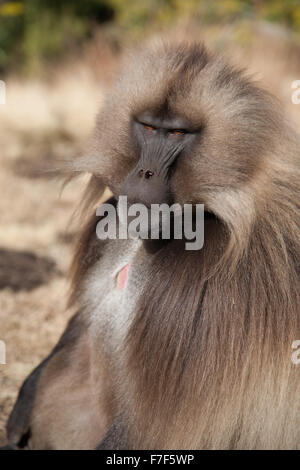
[148, 174]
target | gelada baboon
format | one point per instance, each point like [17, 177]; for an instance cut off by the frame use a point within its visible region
[195, 351]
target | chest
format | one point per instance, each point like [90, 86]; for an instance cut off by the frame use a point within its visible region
[112, 289]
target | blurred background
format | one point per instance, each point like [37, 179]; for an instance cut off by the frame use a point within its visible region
[57, 59]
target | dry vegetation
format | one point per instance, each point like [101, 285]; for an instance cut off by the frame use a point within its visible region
[53, 118]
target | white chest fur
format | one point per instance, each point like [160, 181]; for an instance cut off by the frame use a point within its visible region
[110, 308]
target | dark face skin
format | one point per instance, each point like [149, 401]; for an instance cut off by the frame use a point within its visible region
[160, 141]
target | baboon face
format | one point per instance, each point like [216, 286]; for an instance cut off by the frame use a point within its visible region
[180, 125]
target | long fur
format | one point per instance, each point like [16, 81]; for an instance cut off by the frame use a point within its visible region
[207, 357]
[206, 362]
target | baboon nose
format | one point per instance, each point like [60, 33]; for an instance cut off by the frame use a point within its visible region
[146, 174]
[147, 186]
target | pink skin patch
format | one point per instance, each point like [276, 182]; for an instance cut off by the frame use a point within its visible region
[122, 277]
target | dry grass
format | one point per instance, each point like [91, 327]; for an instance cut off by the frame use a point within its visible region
[40, 121]
[50, 118]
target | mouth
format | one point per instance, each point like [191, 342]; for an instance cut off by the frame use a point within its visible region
[162, 221]
[149, 222]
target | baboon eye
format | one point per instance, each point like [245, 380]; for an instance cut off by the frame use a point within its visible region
[148, 127]
[177, 132]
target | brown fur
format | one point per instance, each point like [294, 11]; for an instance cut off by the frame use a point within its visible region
[219, 374]
[66, 402]
[206, 360]
[220, 339]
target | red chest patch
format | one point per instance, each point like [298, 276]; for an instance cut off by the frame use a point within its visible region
[122, 277]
